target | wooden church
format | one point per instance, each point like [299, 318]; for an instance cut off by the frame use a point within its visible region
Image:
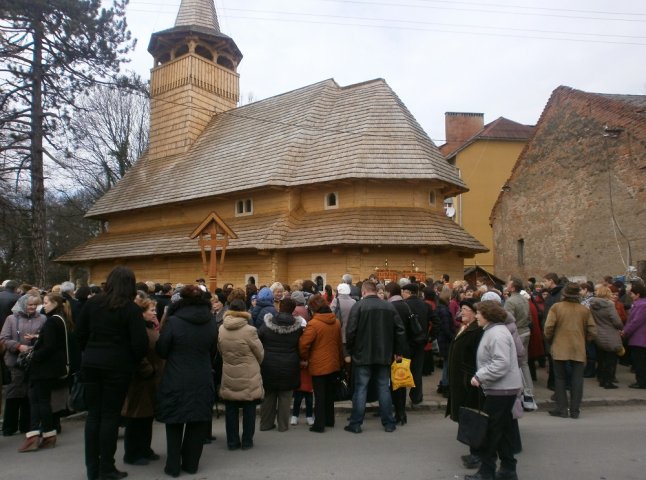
[311, 184]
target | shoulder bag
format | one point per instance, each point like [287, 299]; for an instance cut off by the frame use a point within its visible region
[472, 426]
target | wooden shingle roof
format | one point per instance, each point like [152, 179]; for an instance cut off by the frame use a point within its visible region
[370, 227]
[319, 133]
[200, 13]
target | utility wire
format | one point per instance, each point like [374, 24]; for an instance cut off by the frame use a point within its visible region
[411, 28]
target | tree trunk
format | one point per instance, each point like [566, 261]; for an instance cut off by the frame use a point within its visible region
[38, 212]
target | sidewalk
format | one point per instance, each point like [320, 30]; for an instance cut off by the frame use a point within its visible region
[593, 394]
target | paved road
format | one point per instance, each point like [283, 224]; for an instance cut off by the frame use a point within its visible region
[606, 443]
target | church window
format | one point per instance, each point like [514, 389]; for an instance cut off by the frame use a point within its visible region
[332, 200]
[432, 198]
[521, 252]
[204, 52]
[244, 207]
[165, 58]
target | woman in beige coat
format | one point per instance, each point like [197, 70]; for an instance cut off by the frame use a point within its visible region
[242, 353]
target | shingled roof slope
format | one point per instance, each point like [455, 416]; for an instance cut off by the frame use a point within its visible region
[197, 13]
[280, 231]
[319, 133]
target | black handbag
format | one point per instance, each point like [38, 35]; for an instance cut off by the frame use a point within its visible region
[472, 426]
[343, 389]
[77, 401]
[5, 373]
[23, 362]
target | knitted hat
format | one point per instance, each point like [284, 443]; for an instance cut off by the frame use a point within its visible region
[343, 289]
[265, 295]
[491, 296]
[298, 297]
[571, 290]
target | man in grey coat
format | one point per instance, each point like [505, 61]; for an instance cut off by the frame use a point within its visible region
[518, 306]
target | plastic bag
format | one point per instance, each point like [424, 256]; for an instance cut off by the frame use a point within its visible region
[400, 375]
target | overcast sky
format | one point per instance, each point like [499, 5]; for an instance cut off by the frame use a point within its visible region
[497, 57]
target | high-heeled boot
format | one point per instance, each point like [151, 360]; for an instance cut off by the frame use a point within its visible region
[31, 443]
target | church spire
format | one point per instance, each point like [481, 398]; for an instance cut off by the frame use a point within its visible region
[198, 13]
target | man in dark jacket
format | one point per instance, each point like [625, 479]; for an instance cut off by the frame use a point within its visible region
[375, 335]
[410, 293]
[8, 299]
[551, 283]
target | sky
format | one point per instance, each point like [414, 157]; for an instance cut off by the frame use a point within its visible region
[497, 57]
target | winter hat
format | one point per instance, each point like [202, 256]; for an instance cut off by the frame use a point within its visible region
[298, 297]
[571, 291]
[413, 288]
[469, 302]
[265, 295]
[491, 296]
[343, 289]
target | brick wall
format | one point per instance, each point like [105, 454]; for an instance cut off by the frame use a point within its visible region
[559, 200]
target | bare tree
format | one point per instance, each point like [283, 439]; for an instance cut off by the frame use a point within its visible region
[109, 132]
[51, 51]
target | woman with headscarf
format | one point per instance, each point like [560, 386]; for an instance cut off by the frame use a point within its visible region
[186, 392]
[608, 341]
[19, 333]
[112, 335]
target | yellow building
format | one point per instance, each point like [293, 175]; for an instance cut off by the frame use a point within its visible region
[314, 183]
[484, 156]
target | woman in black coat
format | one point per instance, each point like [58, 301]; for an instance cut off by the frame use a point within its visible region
[280, 369]
[186, 394]
[112, 335]
[48, 370]
[462, 366]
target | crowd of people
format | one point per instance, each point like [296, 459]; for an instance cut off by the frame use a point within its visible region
[146, 352]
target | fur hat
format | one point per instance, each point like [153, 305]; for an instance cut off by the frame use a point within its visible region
[343, 289]
[491, 296]
[571, 290]
[413, 288]
[298, 297]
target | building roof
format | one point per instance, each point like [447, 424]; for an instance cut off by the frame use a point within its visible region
[500, 129]
[197, 13]
[318, 133]
[370, 227]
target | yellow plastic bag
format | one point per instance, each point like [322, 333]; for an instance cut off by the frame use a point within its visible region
[400, 375]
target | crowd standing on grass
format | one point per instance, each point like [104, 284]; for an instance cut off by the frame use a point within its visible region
[147, 351]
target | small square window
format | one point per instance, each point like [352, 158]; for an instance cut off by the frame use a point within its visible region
[244, 207]
[332, 200]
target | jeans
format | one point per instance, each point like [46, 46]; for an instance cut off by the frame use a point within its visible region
[40, 399]
[576, 386]
[362, 375]
[105, 393]
[232, 424]
[309, 403]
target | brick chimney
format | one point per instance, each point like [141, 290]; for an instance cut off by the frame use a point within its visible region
[459, 127]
